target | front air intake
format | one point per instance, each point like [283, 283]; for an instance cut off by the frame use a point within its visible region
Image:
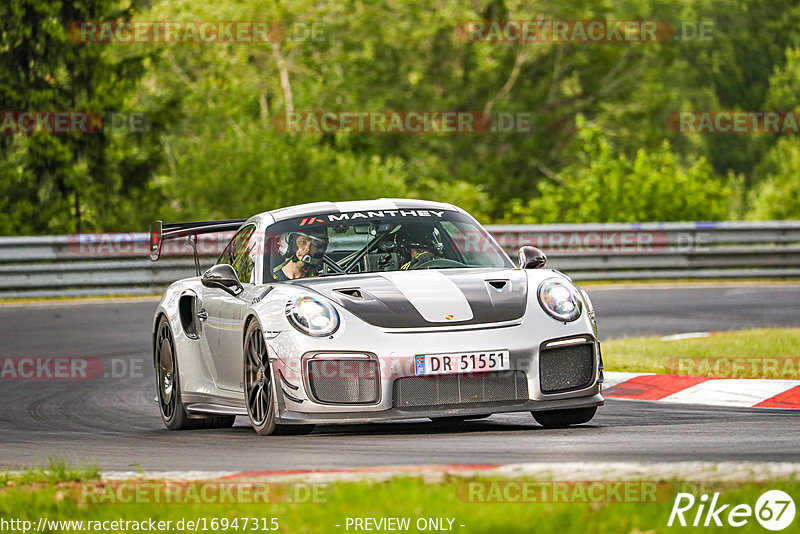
[566, 365]
[344, 380]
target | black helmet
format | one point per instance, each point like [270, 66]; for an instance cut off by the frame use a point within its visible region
[418, 235]
[318, 235]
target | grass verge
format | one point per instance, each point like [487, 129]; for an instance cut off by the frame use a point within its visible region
[56, 471]
[35, 301]
[471, 511]
[756, 353]
[682, 282]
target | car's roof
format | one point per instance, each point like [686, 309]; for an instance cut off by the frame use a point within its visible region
[381, 204]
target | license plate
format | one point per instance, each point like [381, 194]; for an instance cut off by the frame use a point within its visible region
[461, 362]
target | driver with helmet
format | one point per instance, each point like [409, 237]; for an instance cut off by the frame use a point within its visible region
[303, 252]
[420, 243]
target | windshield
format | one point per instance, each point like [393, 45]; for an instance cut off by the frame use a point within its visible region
[378, 241]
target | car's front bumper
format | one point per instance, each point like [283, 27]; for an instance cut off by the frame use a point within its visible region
[395, 414]
[395, 353]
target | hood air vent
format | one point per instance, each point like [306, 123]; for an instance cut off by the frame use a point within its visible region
[499, 285]
[353, 293]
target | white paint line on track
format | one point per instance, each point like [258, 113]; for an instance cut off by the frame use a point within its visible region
[570, 471]
[165, 475]
[593, 287]
[739, 392]
[690, 471]
[612, 379]
[688, 335]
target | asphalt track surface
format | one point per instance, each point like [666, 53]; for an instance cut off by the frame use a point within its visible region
[114, 422]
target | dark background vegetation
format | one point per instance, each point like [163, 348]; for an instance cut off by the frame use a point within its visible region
[599, 149]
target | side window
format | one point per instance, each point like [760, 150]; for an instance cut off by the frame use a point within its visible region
[239, 254]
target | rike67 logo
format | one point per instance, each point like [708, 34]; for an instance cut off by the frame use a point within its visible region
[774, 510]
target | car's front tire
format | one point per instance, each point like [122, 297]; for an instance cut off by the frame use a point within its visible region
[564, 418]
[172, 410]
[259, 391]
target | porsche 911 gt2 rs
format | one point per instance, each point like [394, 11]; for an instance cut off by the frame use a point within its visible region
[370, 311]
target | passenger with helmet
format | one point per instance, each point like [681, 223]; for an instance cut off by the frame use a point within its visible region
[419, 243]
[303, 252]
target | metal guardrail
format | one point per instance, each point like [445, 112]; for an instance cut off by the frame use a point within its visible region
[105, 264]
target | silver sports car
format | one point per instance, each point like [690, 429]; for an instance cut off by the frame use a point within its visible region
[363, 311]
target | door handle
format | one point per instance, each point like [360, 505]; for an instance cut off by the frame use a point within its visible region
[202, 315]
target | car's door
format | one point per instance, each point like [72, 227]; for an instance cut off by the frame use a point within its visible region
[223, 313]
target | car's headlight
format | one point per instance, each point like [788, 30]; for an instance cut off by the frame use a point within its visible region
[312, 316]
[559, 300]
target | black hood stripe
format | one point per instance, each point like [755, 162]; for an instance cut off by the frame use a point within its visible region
[383, 305]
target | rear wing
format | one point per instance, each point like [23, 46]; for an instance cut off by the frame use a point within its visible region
[160, 232]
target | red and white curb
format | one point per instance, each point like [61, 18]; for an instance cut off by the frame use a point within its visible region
[680, 389]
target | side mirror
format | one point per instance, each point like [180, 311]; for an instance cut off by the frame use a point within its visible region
[531, 258]
[223, 277]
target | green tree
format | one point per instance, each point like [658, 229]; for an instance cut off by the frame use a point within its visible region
[731, 71]
[62, 183]
[213, 151]
[605, 186]
[778, 195]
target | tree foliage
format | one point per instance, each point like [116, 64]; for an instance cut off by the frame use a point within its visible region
[599, 148]
[605, 186]
[73, 181]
